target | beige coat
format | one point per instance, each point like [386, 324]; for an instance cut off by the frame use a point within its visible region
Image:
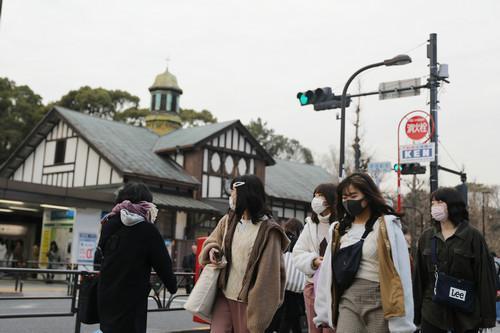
[263, 286]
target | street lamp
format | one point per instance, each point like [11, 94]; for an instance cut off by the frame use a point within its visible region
[485, 193]
[401, 59]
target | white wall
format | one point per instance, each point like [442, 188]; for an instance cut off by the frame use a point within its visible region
[82, 166]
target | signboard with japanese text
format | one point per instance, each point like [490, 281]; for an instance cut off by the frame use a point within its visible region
[87, 244]
[417, 153]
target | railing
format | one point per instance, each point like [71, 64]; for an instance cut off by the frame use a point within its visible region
[162, 299]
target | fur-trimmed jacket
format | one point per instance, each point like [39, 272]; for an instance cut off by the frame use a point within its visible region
[263, 286]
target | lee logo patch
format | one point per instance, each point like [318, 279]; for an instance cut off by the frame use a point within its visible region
[458, 294]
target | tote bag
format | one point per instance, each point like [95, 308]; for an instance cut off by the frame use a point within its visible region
[202, 298]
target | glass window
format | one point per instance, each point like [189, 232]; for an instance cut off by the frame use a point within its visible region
[157, 102]
[215, 162]
[242, 166]
[163, 103]
[229, 164]
[60, 151]
[169, 102]
[175, 103]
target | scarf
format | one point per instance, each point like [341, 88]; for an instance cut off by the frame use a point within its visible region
[131, 213]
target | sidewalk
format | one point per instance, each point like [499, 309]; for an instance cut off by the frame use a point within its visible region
[33, 288]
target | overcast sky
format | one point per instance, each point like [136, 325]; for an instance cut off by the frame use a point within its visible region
[248, 59]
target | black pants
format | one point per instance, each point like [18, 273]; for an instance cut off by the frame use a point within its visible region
[429, 328]
[287, 317]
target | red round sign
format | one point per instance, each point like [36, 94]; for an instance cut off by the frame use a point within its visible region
[417, 127]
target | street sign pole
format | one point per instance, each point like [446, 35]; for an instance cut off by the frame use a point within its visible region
[411, 135]
[434, 84]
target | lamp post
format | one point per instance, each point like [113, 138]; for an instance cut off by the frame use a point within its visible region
[485, 193]
[397, 60]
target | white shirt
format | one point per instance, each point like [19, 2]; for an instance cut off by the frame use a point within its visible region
[241, 248]
[369, 266]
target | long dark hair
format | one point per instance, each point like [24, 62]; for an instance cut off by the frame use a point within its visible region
[372, 195]
[250, 196]
[457, 209]
[329, 191]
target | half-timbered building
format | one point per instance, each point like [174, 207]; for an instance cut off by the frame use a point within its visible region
[61, 180]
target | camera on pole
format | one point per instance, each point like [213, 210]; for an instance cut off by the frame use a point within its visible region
[322, 99]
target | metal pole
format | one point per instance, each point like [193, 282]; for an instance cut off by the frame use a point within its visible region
[433, 86]
[484, 194]
[342, 115]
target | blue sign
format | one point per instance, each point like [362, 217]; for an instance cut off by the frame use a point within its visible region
[380, 167]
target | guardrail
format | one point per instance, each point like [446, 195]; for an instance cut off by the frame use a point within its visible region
[160, 296]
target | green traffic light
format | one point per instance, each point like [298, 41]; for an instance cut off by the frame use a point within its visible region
[304, 100]
[396, 167]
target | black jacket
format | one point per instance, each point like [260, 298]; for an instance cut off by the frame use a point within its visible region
[464, 255]
[129, 253]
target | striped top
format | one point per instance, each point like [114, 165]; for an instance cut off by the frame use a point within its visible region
[295, 279]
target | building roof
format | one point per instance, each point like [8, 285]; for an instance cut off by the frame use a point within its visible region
[165, 80]
[188, 137]
[181, 202]
[293, 180]
[128, 148]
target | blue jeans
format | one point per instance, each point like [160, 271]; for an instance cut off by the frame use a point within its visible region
[498, 311]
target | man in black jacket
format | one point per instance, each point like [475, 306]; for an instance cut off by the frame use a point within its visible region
[130, 245]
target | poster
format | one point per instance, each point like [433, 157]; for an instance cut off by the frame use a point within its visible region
[87, 244]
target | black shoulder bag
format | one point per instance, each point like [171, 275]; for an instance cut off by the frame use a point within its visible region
[450, 291]
[87, 297]
[346, 263]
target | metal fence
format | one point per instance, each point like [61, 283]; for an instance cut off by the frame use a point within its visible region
[159, 294]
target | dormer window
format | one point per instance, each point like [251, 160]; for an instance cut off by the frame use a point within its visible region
[60, 151]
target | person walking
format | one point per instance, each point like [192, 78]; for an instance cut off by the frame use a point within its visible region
[189, 265]
[129, 246]
[365, 281]
[252, 284]
[54, 258]
[288, 317]
[311, 245]
[452, 249]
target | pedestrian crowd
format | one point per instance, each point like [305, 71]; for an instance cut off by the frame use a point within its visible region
[347, 267]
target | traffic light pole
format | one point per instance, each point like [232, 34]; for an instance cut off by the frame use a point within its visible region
[342, 116]
[433, 86]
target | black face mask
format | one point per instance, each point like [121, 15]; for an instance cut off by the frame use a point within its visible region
[353, 207]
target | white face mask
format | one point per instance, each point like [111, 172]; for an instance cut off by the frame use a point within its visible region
[231, 203]
[324, 219]
[317, 205]
[439, 212]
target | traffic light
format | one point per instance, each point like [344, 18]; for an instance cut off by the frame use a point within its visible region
[411, 168]
[322, 99]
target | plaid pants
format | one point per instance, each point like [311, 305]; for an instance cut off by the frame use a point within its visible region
[360, 309]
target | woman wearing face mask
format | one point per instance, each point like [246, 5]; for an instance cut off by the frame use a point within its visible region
[460, 252]
[252, 284]
[369, 287]
[310, 247]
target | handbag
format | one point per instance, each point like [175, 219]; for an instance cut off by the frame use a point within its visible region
[450, 291]
[346, 263]
[201, 300]
[87, 298]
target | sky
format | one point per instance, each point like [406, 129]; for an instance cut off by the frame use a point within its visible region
[248, 59]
